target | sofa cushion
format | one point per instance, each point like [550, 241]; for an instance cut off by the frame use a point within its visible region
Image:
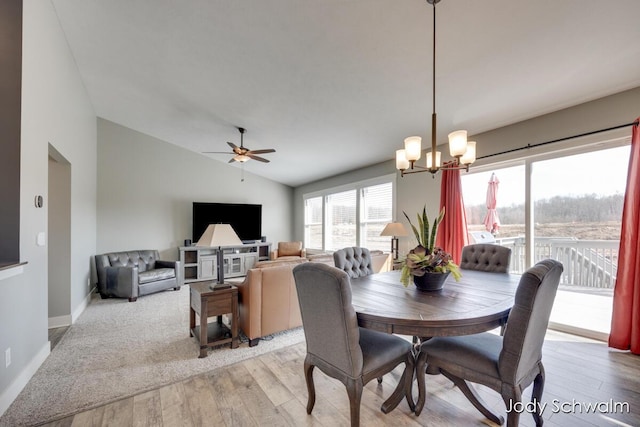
[155, 275]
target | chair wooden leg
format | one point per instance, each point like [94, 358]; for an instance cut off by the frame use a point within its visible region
[513, 417]
[311, 390]
[354, 390]
[474, 398]
[420, 373]
[536, 395]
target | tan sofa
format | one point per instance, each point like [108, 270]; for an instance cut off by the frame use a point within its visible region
[268, 301]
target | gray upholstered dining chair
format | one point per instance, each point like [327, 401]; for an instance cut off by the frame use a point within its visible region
[486, 257]
[339, 347]
[356, 261]
[506, 364]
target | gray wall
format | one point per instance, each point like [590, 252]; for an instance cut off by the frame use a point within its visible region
[413, 191]
[55, 110]
[146, 188]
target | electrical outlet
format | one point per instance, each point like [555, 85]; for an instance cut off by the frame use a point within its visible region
[7, 357]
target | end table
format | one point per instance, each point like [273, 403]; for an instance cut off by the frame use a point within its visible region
[207, 301]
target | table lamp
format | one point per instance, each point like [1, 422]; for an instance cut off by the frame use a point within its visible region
[394, 229]
[219, 235]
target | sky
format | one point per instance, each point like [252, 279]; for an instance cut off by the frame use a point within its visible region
[601, 172]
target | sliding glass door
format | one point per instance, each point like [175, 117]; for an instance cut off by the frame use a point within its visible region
[566, 207]
[577, 212]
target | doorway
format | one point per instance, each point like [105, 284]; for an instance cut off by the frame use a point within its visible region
[59, 244]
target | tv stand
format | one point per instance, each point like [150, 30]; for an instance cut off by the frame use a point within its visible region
[200, 263]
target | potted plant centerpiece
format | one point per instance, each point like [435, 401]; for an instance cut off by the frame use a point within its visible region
[427, 264]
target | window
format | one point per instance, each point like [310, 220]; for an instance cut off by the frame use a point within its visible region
[313, 223]
[376, 211]
[352, 215]
[340, 230]
[510, 200]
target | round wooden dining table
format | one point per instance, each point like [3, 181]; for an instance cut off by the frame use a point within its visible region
[478, 302]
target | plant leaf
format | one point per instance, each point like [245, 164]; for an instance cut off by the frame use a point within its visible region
[415, 230]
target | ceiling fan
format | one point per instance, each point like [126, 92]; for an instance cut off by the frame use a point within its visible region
[241, 153]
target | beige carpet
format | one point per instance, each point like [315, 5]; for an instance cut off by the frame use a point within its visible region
[117, 349]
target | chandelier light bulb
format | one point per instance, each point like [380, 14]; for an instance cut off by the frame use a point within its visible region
[429, 159]
[412, 147]
[401, 160]
[457, 143]
[470, 155]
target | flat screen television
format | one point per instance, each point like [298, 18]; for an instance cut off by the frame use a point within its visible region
[245, 219]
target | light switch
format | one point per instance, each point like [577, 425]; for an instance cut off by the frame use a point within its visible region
[40, 239]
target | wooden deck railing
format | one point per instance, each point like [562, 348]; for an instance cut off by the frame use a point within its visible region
[587, 263]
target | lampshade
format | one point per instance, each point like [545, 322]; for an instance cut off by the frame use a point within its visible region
[457, 143]
[470, 155]
[394, 229]
[219, 235]
[412, 147]
[401, 160]
[438, 155]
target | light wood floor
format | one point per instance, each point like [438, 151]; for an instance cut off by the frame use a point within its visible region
[270, 391]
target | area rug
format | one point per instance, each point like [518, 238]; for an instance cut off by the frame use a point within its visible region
[117, 349]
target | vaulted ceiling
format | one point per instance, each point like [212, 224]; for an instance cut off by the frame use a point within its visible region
[335, 85]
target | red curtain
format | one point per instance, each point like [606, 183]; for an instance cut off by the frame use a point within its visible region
[452, 234]
[625, 321]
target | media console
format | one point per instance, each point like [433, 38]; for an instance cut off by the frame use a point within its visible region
[200, 262]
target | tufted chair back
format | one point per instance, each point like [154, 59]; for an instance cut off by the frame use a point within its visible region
[355, 261]
[486, 257]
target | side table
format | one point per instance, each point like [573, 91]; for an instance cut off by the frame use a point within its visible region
[207, 302]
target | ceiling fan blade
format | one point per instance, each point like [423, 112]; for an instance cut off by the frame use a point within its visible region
[233, 159]
[265, 151]
[258, 158]
[233, 146]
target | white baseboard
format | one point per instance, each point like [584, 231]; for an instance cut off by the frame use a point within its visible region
[587, 333]
[59, 321]
[68, 320]
[82, 307]
[10, 394]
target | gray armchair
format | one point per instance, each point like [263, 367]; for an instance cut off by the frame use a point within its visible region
[341, 349]
[134, 273]
[355, 261]
[506, 364]
[486, 257]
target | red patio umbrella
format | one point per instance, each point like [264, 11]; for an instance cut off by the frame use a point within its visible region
[491, 220]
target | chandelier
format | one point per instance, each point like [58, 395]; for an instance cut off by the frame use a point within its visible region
[462, 151]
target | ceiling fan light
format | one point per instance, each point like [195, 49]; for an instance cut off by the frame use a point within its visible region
[457, 143]
[241, 158]
[470, 155]
[412, 147]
